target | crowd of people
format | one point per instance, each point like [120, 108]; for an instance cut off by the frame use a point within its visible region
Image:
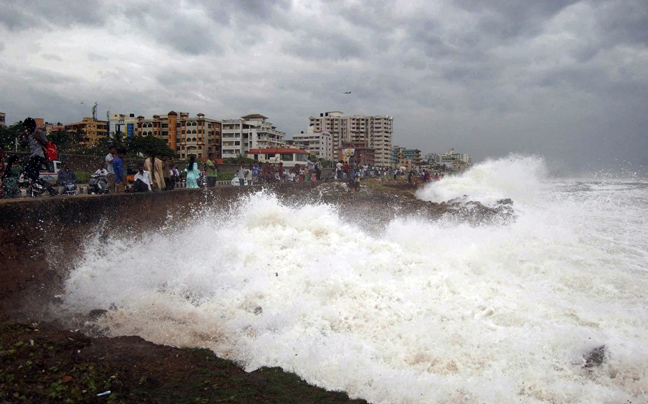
[422, 176]
[12, 173]
[156, 173]
[153, 173]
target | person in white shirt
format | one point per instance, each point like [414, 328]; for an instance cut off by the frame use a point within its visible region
[112, 153]
[142, 180]
[101, 171]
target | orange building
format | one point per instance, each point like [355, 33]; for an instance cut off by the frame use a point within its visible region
[184, 134]
[95, 130]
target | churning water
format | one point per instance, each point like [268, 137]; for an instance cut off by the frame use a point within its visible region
[426, 312]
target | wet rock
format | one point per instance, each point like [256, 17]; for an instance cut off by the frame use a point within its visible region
[96, 313]
[258, 310]
[595, 357]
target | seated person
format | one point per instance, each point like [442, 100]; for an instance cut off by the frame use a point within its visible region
[11, 176]
[66, 179]
[101, 171]
[142, 180]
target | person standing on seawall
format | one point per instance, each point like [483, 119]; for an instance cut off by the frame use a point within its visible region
[154, 166]
[118, 168]
[255, 173]
[37, 141]
[241, 173]
[167, 165]
[318, 170]
[112, 152]
[2, 171]
[212, 171]
[192, 172]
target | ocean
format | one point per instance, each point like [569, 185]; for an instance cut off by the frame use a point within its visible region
[421, 312]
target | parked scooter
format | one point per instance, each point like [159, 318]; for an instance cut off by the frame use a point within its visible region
[98, 185]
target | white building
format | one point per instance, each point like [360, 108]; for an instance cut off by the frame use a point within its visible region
[122, 123]
[372, 131]
[250, 132]
[451, 156]
[451, 159]
[319, 143]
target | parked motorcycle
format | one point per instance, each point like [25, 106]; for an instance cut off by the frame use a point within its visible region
[98, 185]
[36, 188]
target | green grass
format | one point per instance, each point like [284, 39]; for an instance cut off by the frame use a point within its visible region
[83, 177]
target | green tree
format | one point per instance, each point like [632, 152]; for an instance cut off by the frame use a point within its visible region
[8, 135]
[239, 159]
[62, 139]
[150, 144]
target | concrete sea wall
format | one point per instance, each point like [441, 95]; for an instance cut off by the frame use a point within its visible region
[41, 237]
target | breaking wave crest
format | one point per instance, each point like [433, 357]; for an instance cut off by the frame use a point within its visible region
[424, 312]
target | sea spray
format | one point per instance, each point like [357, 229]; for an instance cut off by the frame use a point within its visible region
[516, 177]
[425, 312]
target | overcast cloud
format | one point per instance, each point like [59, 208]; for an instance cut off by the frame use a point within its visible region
[564, 79]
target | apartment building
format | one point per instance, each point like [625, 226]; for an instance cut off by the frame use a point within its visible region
[122, 125]
[2, 119]
[183, 133]
[94, 130]
[451, 159]
[372, 131]
[318, 143]
[249, 132]
[399, 154]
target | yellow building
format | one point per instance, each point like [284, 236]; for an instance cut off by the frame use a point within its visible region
[184, 134]
[94, 130]
[2, 119]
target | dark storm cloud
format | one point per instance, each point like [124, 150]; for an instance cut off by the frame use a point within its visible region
[506, 19]
[260, 9]
[377, 15]
[327, 45]
[170, 26]
[428, 36]
[245, 12]
[188, 37]
[561, 78]
[596, 82]
[470, 72]
[623, 22]
[20, 15]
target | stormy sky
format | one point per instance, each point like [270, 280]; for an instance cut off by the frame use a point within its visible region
[567, 80]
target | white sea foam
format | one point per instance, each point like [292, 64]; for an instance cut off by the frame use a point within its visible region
[516, 177]
[427, 312]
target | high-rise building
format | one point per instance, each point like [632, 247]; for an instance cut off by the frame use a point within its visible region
[318, 143]
[250, 132]
[372, 131]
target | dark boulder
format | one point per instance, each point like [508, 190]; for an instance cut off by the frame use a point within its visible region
[595, 357]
